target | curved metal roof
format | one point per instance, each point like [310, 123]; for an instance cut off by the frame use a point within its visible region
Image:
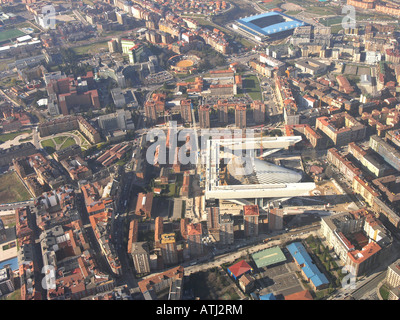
[264, 172]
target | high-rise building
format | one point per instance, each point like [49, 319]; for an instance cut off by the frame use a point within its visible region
[240, 117]
[250, 216]
[150, 110]
[204, 117]
[168, 249]
[113, 45]
[226, 235]
[275, 219]
[258, 111]
[140, 257]
[184, 223]
[186, 110]
[159, 230]
[223, 114]
[213, 222]
[194, 237]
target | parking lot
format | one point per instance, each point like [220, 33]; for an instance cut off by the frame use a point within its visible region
[159, 77]
[281, 279]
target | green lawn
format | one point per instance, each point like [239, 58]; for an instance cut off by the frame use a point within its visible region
[251, 86]
[270, 5]
[48, 145]
[292, 13]
[336, 29]
[9, 136]
[68, 142]
[206, 23]
[12, 189]
[16, 295]
[330, 21]
[326, 10]
[384, 291]
[9, 34]
[60, 140]
[91, 48]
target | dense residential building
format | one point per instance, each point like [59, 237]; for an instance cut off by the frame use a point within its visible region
[194, 239]
[115, 121]
[170, 279]
[222, 113]
[358, 238]
[240, 117]
[22, 150]
[24, 225]
[275, 219]
[390, 154]
[315, 139]
[168, 249]
[6, 281]
[213, 217]
[39, 168]
[346, 167]
[258, 112]
[250, 216]
[140, 257]
[70, 123]
[67, 152]
[226, 235]
[77, 273]
[74, 93]
[204, 117]
[186, 110]
[333, 96]
[158, 230]
[341, 128]
[144, 205]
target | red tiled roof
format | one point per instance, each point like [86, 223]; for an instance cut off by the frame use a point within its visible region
[302, 295]
[251, 210]
[239, 268]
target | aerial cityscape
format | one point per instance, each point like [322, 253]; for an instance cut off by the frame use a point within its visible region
[200, 150]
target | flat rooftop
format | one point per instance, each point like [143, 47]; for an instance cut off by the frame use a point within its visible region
[269, 23]
[268, 257]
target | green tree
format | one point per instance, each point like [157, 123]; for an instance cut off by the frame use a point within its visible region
[325, 256]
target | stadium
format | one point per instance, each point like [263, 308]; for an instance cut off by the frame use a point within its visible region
[268, 25]
[183, 64]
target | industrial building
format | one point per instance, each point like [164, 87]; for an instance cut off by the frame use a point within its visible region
[268, 257]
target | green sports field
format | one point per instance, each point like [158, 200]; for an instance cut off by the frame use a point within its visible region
[10, 34]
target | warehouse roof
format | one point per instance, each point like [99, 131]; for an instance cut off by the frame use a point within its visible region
[268, 296]
[309, 269]
[268, 257]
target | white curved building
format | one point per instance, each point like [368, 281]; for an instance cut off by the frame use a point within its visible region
[254, 178]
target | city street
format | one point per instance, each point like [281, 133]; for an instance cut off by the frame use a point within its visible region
[247, 248]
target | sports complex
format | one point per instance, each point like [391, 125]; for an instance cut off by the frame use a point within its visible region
[268, 25]
[183, 64]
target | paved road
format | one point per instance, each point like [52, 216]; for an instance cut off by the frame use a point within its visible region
[9, 99]
[231, 256]
[369, 287]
